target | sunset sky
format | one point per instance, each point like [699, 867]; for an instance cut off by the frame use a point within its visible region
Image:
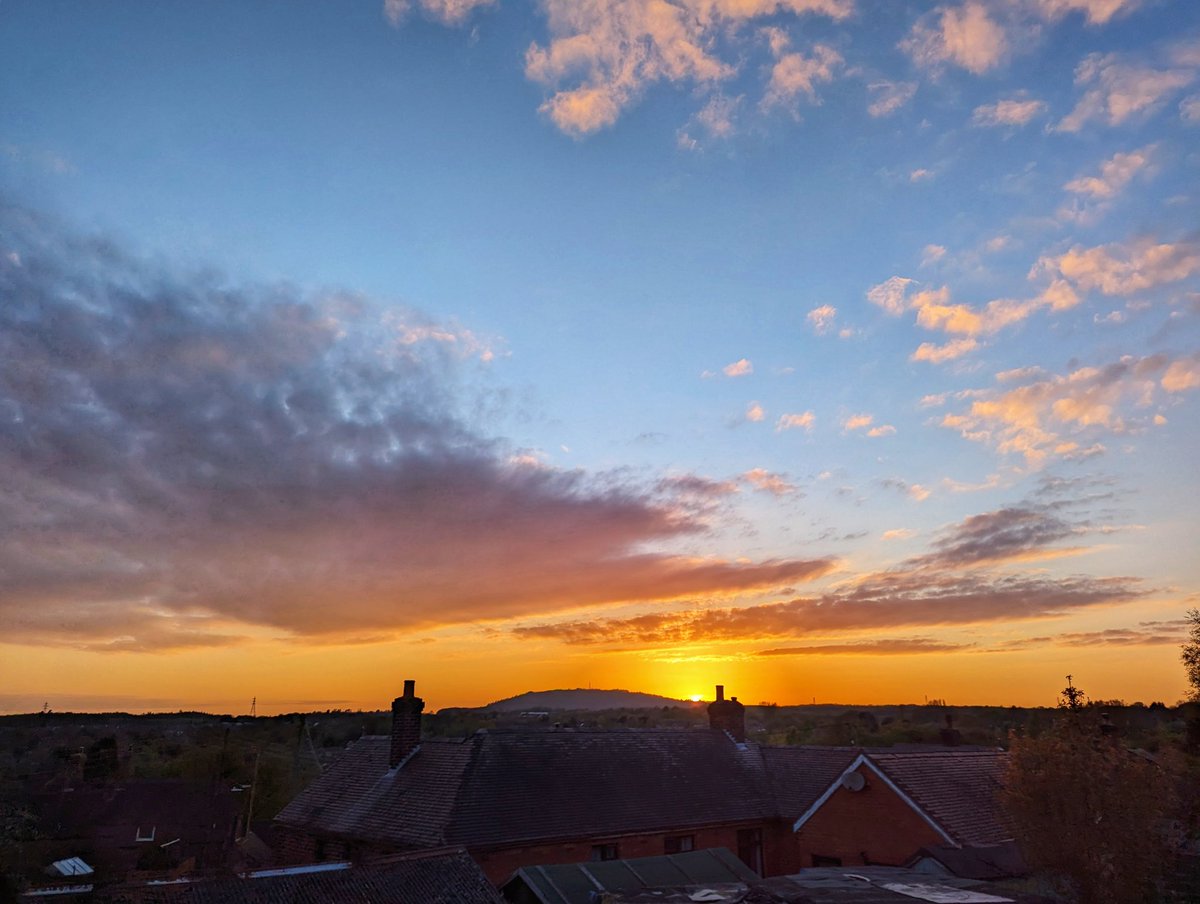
[844, 350]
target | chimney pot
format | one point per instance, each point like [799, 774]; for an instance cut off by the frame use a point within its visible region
[406, 724]
[728, 715]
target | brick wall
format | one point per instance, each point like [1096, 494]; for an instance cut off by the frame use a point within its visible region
[874, 822]
[499, 864]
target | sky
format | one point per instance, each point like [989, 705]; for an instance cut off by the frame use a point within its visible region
[830, 350]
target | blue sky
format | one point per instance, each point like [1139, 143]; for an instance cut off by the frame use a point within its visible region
[784, 301]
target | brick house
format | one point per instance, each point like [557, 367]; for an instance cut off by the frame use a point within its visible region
[515, 798]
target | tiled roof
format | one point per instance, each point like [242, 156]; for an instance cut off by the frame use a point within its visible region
[957, 788]
[532, 785]
[445, 879]
[498, 787]
[360, 797]
[799, 775]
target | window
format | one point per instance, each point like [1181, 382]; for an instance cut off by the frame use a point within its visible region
[749, 842]
[605, 852]
[679, 844]
[138, 836]
[818, 861]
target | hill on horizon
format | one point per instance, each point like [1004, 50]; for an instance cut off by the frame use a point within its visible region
[581, 698]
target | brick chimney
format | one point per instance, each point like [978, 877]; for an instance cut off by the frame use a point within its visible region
[406, 724]
[727, 715]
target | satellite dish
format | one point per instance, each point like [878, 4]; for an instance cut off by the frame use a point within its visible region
[853, 781]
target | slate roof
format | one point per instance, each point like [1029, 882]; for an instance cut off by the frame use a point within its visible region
[504, 787]
[500, 787]
[444, 879]
[957, 788]
[799, 775]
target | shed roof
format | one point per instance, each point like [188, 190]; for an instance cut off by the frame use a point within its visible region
[579, 883]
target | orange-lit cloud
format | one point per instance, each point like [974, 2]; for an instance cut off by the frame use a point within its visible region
[1122, 269]
[966, 577]
[259, 460]
[1048, 415]
[602, 54]
[448, 12]
[822, 318]
[764, 480]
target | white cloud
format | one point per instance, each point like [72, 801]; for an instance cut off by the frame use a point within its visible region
[937, 354]
[803, 421]
[602, 54]
[920, 175]
[1117, 269]
[1040, 415]
[1008, 112]
[1189, 109]
[932, 254]
[448, 12]
[762, 479]
[1114, 175]
[822, 318]
[794, 75]
[1117, 90]
[963, 35]
[888, 97]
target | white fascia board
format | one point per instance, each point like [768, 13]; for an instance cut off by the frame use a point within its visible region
[863, 760]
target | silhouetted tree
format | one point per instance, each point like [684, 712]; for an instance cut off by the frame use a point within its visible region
[1087, 809]
[1190, 653]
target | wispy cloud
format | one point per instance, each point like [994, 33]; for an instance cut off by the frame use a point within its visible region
[803, 421]
[1017, 111]
[888, 97]
[1117, 90]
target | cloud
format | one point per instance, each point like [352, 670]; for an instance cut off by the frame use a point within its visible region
[898, 646]
[187, 459]
[715, 119]
[755, 412]
[963, 35]
[448, 12]
[1055, 415]
[603, 54]
[1095, 12]
[795, 75]
[888, 97]
[1115, 174]
[882, 430]
[899, 533]
[939, 354]
[1117, 90]
[739, 368]
[1008, 112]
[881, 601]
[1189, 109]
[1122, 269]
[822, 319]
[913, 490]
[775, 484]
[931, 254]
[857, 422]
[965, 578]
[1165, 633]
[920, 175]
[794, 421]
